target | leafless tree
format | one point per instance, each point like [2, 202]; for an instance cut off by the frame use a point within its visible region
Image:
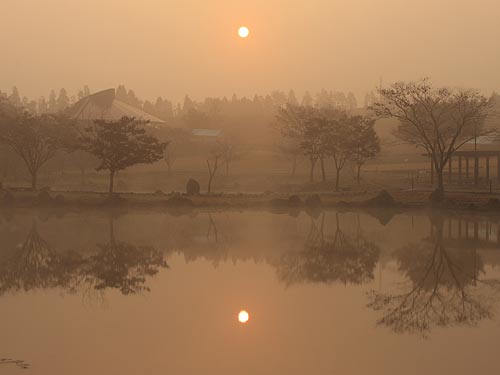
[439, 120]
[213, 165]
[36, 139]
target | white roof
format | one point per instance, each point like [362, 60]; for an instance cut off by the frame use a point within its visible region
[103, 105]
[206, 132]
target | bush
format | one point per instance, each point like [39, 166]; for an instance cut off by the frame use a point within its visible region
[383, 199]
[8, 198]
[178, 201]
[313, 201]
[294, 201]
[44, 197]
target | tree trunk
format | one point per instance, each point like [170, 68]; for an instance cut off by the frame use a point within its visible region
[227, 169]
[83, 179]
[323, 173]
[111, 182]
[294, 165]
[358, 174]
[311, 174]
[440, 186]
[34, 179]
[337, 179]
[209, 189]
[211, 173]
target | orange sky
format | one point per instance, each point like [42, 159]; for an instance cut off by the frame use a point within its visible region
[174, 47]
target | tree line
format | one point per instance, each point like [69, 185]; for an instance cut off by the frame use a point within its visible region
[115, 145]
[328, 134]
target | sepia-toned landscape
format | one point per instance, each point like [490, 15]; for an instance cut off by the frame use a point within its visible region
[265, 187]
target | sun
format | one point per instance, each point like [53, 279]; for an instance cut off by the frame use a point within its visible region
[243, 316]
[243, 32]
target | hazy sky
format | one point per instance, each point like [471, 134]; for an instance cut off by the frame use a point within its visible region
[174, 47]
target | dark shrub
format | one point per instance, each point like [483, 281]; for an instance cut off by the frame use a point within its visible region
[178, 201]
[192, 187]
[313, 201]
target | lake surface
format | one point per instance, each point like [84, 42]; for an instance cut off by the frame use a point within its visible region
[327, 293]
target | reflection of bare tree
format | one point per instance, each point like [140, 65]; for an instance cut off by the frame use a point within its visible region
[36, 265]
[444, 290]
[120, 265]
[212, 246]
[344, 258]
[15, 362]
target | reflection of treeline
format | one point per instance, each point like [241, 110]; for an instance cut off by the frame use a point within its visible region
[446, 286]
[114, 265]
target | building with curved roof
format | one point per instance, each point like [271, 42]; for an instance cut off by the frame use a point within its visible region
[104, 105]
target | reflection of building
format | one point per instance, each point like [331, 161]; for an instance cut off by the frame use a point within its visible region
[103, 105]
[471, 234]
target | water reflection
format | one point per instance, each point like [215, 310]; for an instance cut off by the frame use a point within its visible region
[120, 265]
[442, 276]
[35, 264]
[329, 258]
[447, 285]
[14, 362]
[113, 265]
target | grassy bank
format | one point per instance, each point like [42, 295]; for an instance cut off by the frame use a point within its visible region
[402, 199]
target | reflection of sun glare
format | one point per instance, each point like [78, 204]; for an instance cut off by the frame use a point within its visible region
[243, 32]
[243, 316]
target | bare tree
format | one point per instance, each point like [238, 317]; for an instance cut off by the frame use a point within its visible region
[213, 165]
[439, 120]
[366, 144]
[229, 153]
[36, 139]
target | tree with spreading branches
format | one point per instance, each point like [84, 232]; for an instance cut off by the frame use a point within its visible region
[439, 120]
[36, 139]
[121, 144]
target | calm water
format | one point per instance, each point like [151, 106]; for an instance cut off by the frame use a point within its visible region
[331, 293]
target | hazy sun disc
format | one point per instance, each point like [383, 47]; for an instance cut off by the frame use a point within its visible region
[243, 32]
[243, 316]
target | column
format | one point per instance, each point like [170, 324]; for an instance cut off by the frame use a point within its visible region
[450, 169]
[432, 172]
[467, 168]
[460, 169]
[498, 167]
[488, 168]
[476, 169]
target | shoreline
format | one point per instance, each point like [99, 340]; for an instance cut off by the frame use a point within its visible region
[398, 200]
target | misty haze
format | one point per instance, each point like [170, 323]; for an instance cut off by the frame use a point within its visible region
[261, 187]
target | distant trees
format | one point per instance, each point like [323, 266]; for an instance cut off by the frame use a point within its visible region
[366, 143]
[290, 150]
[35, 138]
[439, 120]
[229, 153]
[121, 144]
[329, 133]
